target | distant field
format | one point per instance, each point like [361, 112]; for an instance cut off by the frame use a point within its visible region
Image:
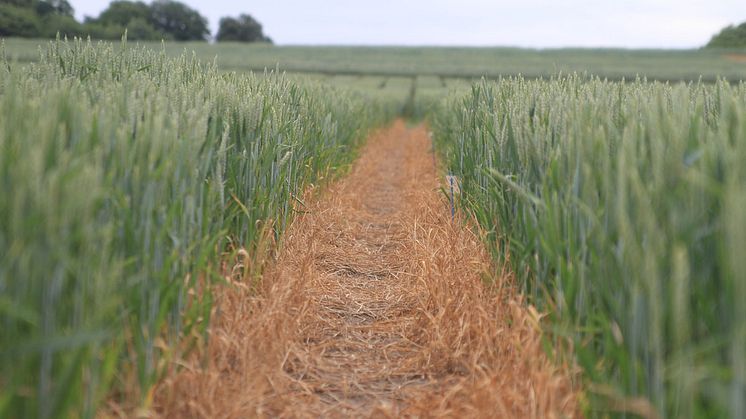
[446, 63]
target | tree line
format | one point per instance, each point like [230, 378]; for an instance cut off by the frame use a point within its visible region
[159, 20]
[730, 37]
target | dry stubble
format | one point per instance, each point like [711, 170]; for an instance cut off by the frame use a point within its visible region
[375, 306]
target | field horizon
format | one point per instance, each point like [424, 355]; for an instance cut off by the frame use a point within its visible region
[455, 62]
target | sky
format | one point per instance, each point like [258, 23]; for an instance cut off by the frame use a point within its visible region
[523, 23]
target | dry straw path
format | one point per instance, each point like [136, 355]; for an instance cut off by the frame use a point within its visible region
[375, 306]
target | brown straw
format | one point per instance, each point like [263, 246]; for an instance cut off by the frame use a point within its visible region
[378, 304]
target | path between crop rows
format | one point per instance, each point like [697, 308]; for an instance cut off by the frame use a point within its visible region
[375, 306]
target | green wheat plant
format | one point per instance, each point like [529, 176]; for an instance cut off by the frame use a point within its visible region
[124, 175]
[621, 207]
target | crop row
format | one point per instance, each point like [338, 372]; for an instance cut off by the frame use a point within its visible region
[622, 209]
[124, 176]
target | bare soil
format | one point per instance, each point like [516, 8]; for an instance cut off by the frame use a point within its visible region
[736, 58]
[377, 305]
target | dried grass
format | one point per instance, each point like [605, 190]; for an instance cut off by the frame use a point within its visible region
[375, 306]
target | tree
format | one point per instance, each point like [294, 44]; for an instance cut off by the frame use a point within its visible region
[243, 29]
[97, 30]
[139, 29]
[49, 7]
[37, 18]
[20, 3]
[179, 20]
[730, 37]
[65, 26]
[18, 21]
[123, 12]
[163, 19]
[135, 17]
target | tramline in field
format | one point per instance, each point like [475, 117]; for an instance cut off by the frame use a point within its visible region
[132, 177]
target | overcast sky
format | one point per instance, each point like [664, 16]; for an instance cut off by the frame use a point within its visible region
[527, 23]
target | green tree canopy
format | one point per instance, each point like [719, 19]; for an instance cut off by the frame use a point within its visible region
[179, 20]
[162, 19]
[48, 7]
[730, 37]
[37, 18]
[122, 12]
[65, 26]
[18, 21]
[140, 28]
[43, 7]
[242, 29]
[135, 17]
